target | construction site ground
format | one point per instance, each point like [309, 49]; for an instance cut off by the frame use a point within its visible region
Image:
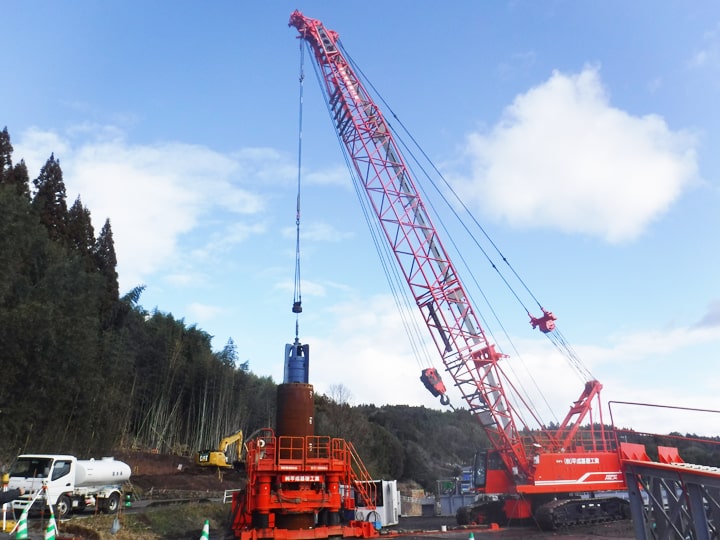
[161, 477]
[431, 528]
[169, 479]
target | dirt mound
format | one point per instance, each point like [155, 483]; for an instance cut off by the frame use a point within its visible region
[164, 474]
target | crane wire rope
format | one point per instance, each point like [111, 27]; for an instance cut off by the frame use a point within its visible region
[556, 336]
[401, 297]
[392, 274]
[486, 326]
[519, 396]
[297, 293]
[391, 270]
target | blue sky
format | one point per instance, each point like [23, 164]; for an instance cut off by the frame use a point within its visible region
[583, 136]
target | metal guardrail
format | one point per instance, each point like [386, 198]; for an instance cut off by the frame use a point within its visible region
[228, 495]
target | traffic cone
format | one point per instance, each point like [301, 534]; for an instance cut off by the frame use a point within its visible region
[472, 536]
[21, 529]
[51, 529]
[206, 531]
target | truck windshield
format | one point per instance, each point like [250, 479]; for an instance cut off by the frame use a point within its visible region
[31, 468]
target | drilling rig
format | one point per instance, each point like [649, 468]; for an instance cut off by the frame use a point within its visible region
[530, 470]
[301, 485]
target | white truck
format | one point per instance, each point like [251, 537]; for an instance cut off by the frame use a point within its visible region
[70, 484]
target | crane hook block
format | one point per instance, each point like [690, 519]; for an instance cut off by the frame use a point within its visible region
[433, 382]
[297, 307]
[546, 323]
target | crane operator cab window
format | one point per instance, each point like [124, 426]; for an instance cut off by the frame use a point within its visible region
[61, 469]
[480, 466]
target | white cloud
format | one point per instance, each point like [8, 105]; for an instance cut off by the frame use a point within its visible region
[365, 348]
[153, 194]
[653, 367]
[708, 55]
[179, 279]
[308, 288]
[368, 352]
[224, 241]
[563, 157]
[712, 316]
[336, 176]
[204, 312]
[317, 232]
[35, 146]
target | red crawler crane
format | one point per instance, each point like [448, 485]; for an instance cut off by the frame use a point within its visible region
[523, 471]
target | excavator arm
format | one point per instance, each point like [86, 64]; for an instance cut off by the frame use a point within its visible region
[236, 438]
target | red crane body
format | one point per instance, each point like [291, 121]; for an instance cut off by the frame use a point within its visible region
[524, 463]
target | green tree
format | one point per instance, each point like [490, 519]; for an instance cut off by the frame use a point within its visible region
[229, 355]
[50, 199]
[6, 151]
[24, 250]
[80, 232]
[106, 264]
[12, 175]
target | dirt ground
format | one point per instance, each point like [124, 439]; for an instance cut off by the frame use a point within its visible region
[167, 476]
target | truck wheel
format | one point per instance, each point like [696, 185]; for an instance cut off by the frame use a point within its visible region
[63, 506]
[112, 503]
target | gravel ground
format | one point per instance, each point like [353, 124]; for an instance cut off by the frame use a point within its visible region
[430, 528]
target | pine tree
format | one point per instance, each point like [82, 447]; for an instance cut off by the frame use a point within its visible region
[20, 179]
[12, 175]
[229, 355]
[6, 151]
[106, 265]
[50, 200]
[81, 234]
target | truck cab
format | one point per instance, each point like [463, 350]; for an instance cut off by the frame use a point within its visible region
[33, 473]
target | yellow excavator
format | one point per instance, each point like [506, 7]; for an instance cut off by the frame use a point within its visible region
[219, 458]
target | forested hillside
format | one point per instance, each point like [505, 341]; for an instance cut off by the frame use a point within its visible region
[85, 370]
